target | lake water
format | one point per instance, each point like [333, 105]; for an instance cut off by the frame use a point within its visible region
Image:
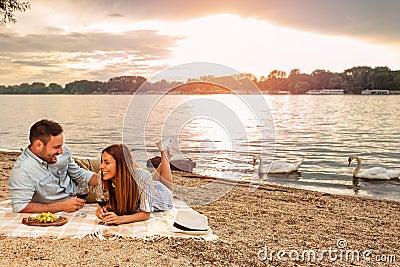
[221, 134]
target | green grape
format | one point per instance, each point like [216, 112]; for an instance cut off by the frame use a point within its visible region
[46, 217]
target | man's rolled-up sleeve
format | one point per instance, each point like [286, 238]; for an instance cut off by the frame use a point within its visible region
[78, 174]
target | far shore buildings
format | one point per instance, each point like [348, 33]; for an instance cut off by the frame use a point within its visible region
[341, 92]
[326, 92]
[375, 92]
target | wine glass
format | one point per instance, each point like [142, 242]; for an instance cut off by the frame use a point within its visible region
[102, 198]
[82, 193]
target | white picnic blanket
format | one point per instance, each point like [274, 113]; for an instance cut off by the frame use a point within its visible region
[155, 227]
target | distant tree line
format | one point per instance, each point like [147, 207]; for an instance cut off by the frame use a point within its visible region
[116, 85]
[352, 81]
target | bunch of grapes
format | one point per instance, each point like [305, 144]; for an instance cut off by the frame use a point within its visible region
[46, 217]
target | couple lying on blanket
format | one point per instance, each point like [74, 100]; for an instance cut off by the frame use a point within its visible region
[45, 178]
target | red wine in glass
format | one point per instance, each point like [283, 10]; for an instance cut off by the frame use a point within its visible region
[102, 198]
[102, 201]
[82, 195]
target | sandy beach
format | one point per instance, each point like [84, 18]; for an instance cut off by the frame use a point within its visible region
[272, 226]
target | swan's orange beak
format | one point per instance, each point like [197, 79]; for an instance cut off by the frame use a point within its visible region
[254, 162]
[349, 161]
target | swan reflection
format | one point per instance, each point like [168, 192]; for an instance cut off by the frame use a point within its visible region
[356, 185]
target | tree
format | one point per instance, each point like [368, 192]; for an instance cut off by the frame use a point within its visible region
[125, 83]
[54, 88]
[336, 81]
[382, 78]
[37, 88]
[8, 7]
[276, 74]
[277, 81]
[294, 79]
[396, 80]
[251, 77]
[300, 83]
[320, 79]
[83, 87]
[294, 72]
[360, 78]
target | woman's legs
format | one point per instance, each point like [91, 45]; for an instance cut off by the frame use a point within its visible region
[163, 172]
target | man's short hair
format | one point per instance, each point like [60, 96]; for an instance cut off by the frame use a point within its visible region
[43, 130]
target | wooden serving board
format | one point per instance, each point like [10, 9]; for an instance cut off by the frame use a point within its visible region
[31, 221]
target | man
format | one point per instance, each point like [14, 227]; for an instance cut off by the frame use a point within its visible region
[45, 176]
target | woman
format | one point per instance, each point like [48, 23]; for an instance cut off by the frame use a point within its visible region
[133, 192]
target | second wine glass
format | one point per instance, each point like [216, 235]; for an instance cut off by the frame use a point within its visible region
[82, 193]
[102, 198]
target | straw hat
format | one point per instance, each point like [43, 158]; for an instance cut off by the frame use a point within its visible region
[189, 221]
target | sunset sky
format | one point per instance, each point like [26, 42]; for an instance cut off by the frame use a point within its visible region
[66, 40]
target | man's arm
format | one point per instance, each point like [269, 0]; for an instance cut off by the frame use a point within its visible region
[69, 205]
[78, 173]
[94, 180]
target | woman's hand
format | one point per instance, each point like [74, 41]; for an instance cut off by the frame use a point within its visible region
[99, 212]
[110, 217]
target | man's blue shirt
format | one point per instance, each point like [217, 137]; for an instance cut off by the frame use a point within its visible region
[34, 180]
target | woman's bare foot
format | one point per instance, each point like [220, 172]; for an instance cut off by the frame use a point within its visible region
[169, 145]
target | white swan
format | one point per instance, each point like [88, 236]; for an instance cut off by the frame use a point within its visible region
[378, 173]
[277, 166]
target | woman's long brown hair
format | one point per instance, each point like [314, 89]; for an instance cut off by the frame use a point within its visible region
[124, 196]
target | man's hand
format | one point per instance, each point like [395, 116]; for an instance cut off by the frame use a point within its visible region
[72, 204]
[69, 205]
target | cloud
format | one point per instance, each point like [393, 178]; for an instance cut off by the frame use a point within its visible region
[370, 20]
[115, 15]
[62, 69]
[32, 63]
[67, 40]
[73, 55]
[145, 41]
